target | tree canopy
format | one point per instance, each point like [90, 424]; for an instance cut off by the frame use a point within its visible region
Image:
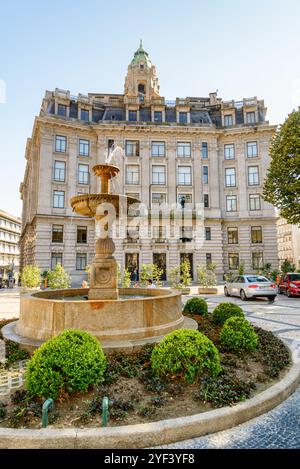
[282, 185]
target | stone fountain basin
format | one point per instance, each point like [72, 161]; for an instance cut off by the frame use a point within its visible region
[123, 324]
[86, 204]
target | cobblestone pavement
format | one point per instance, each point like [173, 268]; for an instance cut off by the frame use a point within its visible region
[9, 303]
[279, 428]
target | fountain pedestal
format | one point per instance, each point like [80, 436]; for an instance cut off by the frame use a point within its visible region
[104, 271]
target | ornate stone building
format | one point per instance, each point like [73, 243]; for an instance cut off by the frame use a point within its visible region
[194, 151]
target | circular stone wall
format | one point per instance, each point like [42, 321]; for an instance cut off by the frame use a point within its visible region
[117, 324]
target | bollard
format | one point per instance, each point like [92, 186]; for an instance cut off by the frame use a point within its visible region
[48, 404]
[105, 404]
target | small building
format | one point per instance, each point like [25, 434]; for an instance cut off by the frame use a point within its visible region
[10, 231]
[288, 242]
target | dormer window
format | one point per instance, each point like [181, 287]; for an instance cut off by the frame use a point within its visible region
[141, 88]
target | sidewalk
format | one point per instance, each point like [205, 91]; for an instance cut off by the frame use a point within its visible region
[9, 303]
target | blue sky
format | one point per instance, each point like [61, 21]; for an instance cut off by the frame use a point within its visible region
[242, 48]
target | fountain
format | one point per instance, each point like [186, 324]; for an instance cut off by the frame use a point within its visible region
[121, 319]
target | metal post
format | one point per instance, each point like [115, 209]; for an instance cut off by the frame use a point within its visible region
[105, 404]
[48, 404]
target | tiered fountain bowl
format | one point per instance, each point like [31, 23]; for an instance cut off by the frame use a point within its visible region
[121, 319]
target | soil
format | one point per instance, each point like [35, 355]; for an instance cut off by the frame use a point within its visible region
[137, 396]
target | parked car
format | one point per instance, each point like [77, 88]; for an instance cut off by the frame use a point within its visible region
[251, 286]
[290, 284]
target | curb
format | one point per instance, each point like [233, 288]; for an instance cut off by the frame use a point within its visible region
[156, 433]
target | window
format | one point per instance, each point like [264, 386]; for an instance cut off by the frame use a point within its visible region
[183, 117]
[206, 200]
[184, 199]
[158, 175]
[60, 144]
[81, 261]
[233, 261]
[158, 198]
[61, 110]
[81, 234]
[132, 174]
[84, 115]
[252, 151]
[228, 120]
[253, 175]
[56, 258]
[208, 258]
[57, 233]
[232, 235]
[250, 117]
[205, 174]
[110, 145]
[132, 116]
[132, 148]
[183, 149]
[230, 178]
[204, 148]
[231, 203]
[59, 171]
[158, 149]
[256, 234]
[254, 202]
[208, 234]
[84, 147]
[157, 116]
[257, 260]
[132, 233]
[229, 153]
[58, 199]
[159, 232]
[184, 176]
[83, 174]
[141, 88]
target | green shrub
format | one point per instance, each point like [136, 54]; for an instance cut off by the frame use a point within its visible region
[31, 276]
[225, 311]
[58, 278]
[195, 306]
[238, 334]
[70, 362]
[185, 354]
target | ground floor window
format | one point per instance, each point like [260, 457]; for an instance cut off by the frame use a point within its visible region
[233, 261]
[160, 259]
[81, 260]
[132, 264]
[56, 258]
[257, 260]
[184, 256]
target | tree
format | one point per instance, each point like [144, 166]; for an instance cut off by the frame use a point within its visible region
[125, 279]
[282, 185]
[287, 266]
[174, 276]
[206, 275]
[31, 276]
[241, 269]
[185, 273]
[58, 278]
[153, 272]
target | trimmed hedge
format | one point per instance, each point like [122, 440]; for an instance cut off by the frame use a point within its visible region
[185, 354]
[196, 306]
[238, 334]
[225, 311]
[70, 362]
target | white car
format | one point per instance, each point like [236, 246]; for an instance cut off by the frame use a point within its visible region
[251, 286]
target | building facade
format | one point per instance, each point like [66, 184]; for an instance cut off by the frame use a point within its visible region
[10, 231]
[288, 242]
[191, 152]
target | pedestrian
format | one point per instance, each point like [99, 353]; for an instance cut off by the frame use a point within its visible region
[150, 283]
[134, 276]
[84, 284]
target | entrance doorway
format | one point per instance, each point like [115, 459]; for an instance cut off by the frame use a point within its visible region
[186, 256]
[160, 259]
[132, 264]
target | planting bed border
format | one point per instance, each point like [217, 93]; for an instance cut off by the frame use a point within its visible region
[155, 433]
